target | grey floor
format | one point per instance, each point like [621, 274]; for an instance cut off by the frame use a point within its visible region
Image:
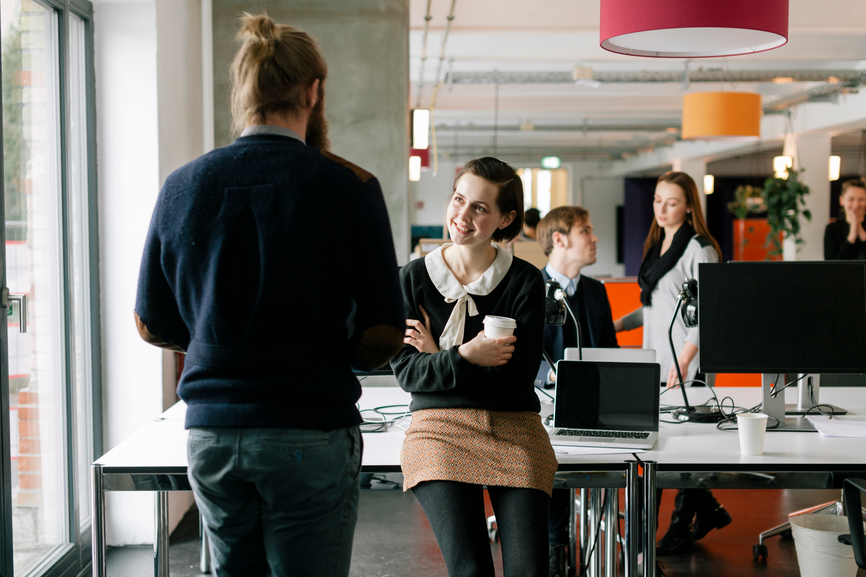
[393, 539]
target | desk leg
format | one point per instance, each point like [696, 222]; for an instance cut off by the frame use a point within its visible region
[160, 537]
[649, 536]
[584, 529]
[633, 534]
[595, 543]
[571, 562]
[611, 528]
[97, 526]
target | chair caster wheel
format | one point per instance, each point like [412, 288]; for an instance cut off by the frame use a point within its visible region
[759, 551]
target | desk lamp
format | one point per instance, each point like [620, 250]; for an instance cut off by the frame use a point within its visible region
[555, 306]
[687, 303]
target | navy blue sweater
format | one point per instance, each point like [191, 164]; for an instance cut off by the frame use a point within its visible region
[272, 264]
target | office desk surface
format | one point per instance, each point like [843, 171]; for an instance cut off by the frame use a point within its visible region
[700, 446]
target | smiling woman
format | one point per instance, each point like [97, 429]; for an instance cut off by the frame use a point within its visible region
[475, 419]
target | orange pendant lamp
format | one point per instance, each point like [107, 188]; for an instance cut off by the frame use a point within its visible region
[721, 116]
[693, 28]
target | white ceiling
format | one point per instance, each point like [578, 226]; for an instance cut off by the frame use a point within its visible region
[508, 36]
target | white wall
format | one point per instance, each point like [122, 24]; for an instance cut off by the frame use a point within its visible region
[149, 122]
[128, 177]
[601, 196]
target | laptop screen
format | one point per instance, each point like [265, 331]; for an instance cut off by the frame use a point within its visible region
[607, 396]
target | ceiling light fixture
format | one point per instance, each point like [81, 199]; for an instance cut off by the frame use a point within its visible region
[420, 128]
[721, 116]
[709, 184]
[835, 167]
[693, 28]
[781, 164]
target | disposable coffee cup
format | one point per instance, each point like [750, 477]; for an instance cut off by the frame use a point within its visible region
[496, 327]
[752, 428]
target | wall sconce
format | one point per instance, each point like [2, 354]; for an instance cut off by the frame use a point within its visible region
[420, 128]
[781, 164]
[709, 184]
[414, 168]
[835, 167]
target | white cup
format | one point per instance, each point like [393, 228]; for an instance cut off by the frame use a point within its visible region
[496, 327]
[752, 428]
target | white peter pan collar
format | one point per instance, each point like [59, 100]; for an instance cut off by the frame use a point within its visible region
[450, 288]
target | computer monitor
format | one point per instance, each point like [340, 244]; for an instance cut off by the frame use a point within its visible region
[782, 317]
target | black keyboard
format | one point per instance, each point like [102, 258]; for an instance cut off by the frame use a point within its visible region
[603, 434]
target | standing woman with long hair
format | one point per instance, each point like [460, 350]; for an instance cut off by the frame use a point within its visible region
[677, 243]
[474, 409]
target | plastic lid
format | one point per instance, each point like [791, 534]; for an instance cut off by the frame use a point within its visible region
[500, 322]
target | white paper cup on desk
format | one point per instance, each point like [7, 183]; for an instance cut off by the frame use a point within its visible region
[496, 327]
[752, 428]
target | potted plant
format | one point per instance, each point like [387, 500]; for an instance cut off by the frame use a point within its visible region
[785, 205]
[748, 200]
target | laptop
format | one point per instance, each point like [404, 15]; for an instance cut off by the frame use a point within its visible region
[606, 404]
[611, 354]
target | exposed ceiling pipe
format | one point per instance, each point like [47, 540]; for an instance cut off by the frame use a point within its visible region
[427, 19]
[445, 40]
[671, 127]
[835, 77]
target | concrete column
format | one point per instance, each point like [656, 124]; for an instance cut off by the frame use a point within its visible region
[366, 45]
[696, 168]
[811, 152]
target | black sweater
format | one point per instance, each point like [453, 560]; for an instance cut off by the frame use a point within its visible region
[232, 273]
[836, 245]
[445, 379]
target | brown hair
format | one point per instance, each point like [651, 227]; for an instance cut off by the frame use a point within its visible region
[272, 69]
[510, 197]
[561, 219]
[846, 186]
[694, 218]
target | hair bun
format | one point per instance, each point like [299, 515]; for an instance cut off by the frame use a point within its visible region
[259, 28]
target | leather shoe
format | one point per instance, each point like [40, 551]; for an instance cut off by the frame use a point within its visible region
[678, 539]
[704, 523]
[556, 567]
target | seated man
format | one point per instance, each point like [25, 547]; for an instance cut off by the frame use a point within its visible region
[566, 236]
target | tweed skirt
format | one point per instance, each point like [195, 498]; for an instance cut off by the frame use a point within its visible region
[496, 448]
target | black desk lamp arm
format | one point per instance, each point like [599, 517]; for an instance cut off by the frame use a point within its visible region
[674, 354]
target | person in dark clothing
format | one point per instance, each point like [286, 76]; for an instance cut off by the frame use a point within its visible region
[567, 238]
[845, 239]
[530, 225]
[274, 444]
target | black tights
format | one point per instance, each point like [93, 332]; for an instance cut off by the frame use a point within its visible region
[456, 514]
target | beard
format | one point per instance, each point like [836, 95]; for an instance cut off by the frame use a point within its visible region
[317, 125]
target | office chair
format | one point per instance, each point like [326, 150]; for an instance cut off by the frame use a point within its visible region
[851, 490]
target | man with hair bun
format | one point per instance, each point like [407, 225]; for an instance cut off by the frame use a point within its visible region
[242, 270]
[567, 238]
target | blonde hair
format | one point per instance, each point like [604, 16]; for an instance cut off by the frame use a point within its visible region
[272, 69]
[561, 219]
[694, 218]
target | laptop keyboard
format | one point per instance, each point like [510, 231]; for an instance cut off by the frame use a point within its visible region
[603, 434]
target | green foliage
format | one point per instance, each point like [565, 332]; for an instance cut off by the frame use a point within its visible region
[748, 200]
[784, 200]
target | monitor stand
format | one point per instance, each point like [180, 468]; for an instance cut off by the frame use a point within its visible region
[775, 407]
[807, 389]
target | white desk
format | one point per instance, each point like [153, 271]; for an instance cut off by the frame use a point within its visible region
[686, 455]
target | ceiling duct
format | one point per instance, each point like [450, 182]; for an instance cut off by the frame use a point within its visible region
[835, 77]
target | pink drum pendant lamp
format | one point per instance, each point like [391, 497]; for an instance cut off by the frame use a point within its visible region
[693, 28]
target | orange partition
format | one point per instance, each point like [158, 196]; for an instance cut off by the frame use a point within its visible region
[624, 297]
[750, 239]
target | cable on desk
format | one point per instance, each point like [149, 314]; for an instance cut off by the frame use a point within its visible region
[381, 425]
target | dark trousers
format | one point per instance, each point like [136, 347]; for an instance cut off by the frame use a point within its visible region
[456, 514]
[557, 526]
